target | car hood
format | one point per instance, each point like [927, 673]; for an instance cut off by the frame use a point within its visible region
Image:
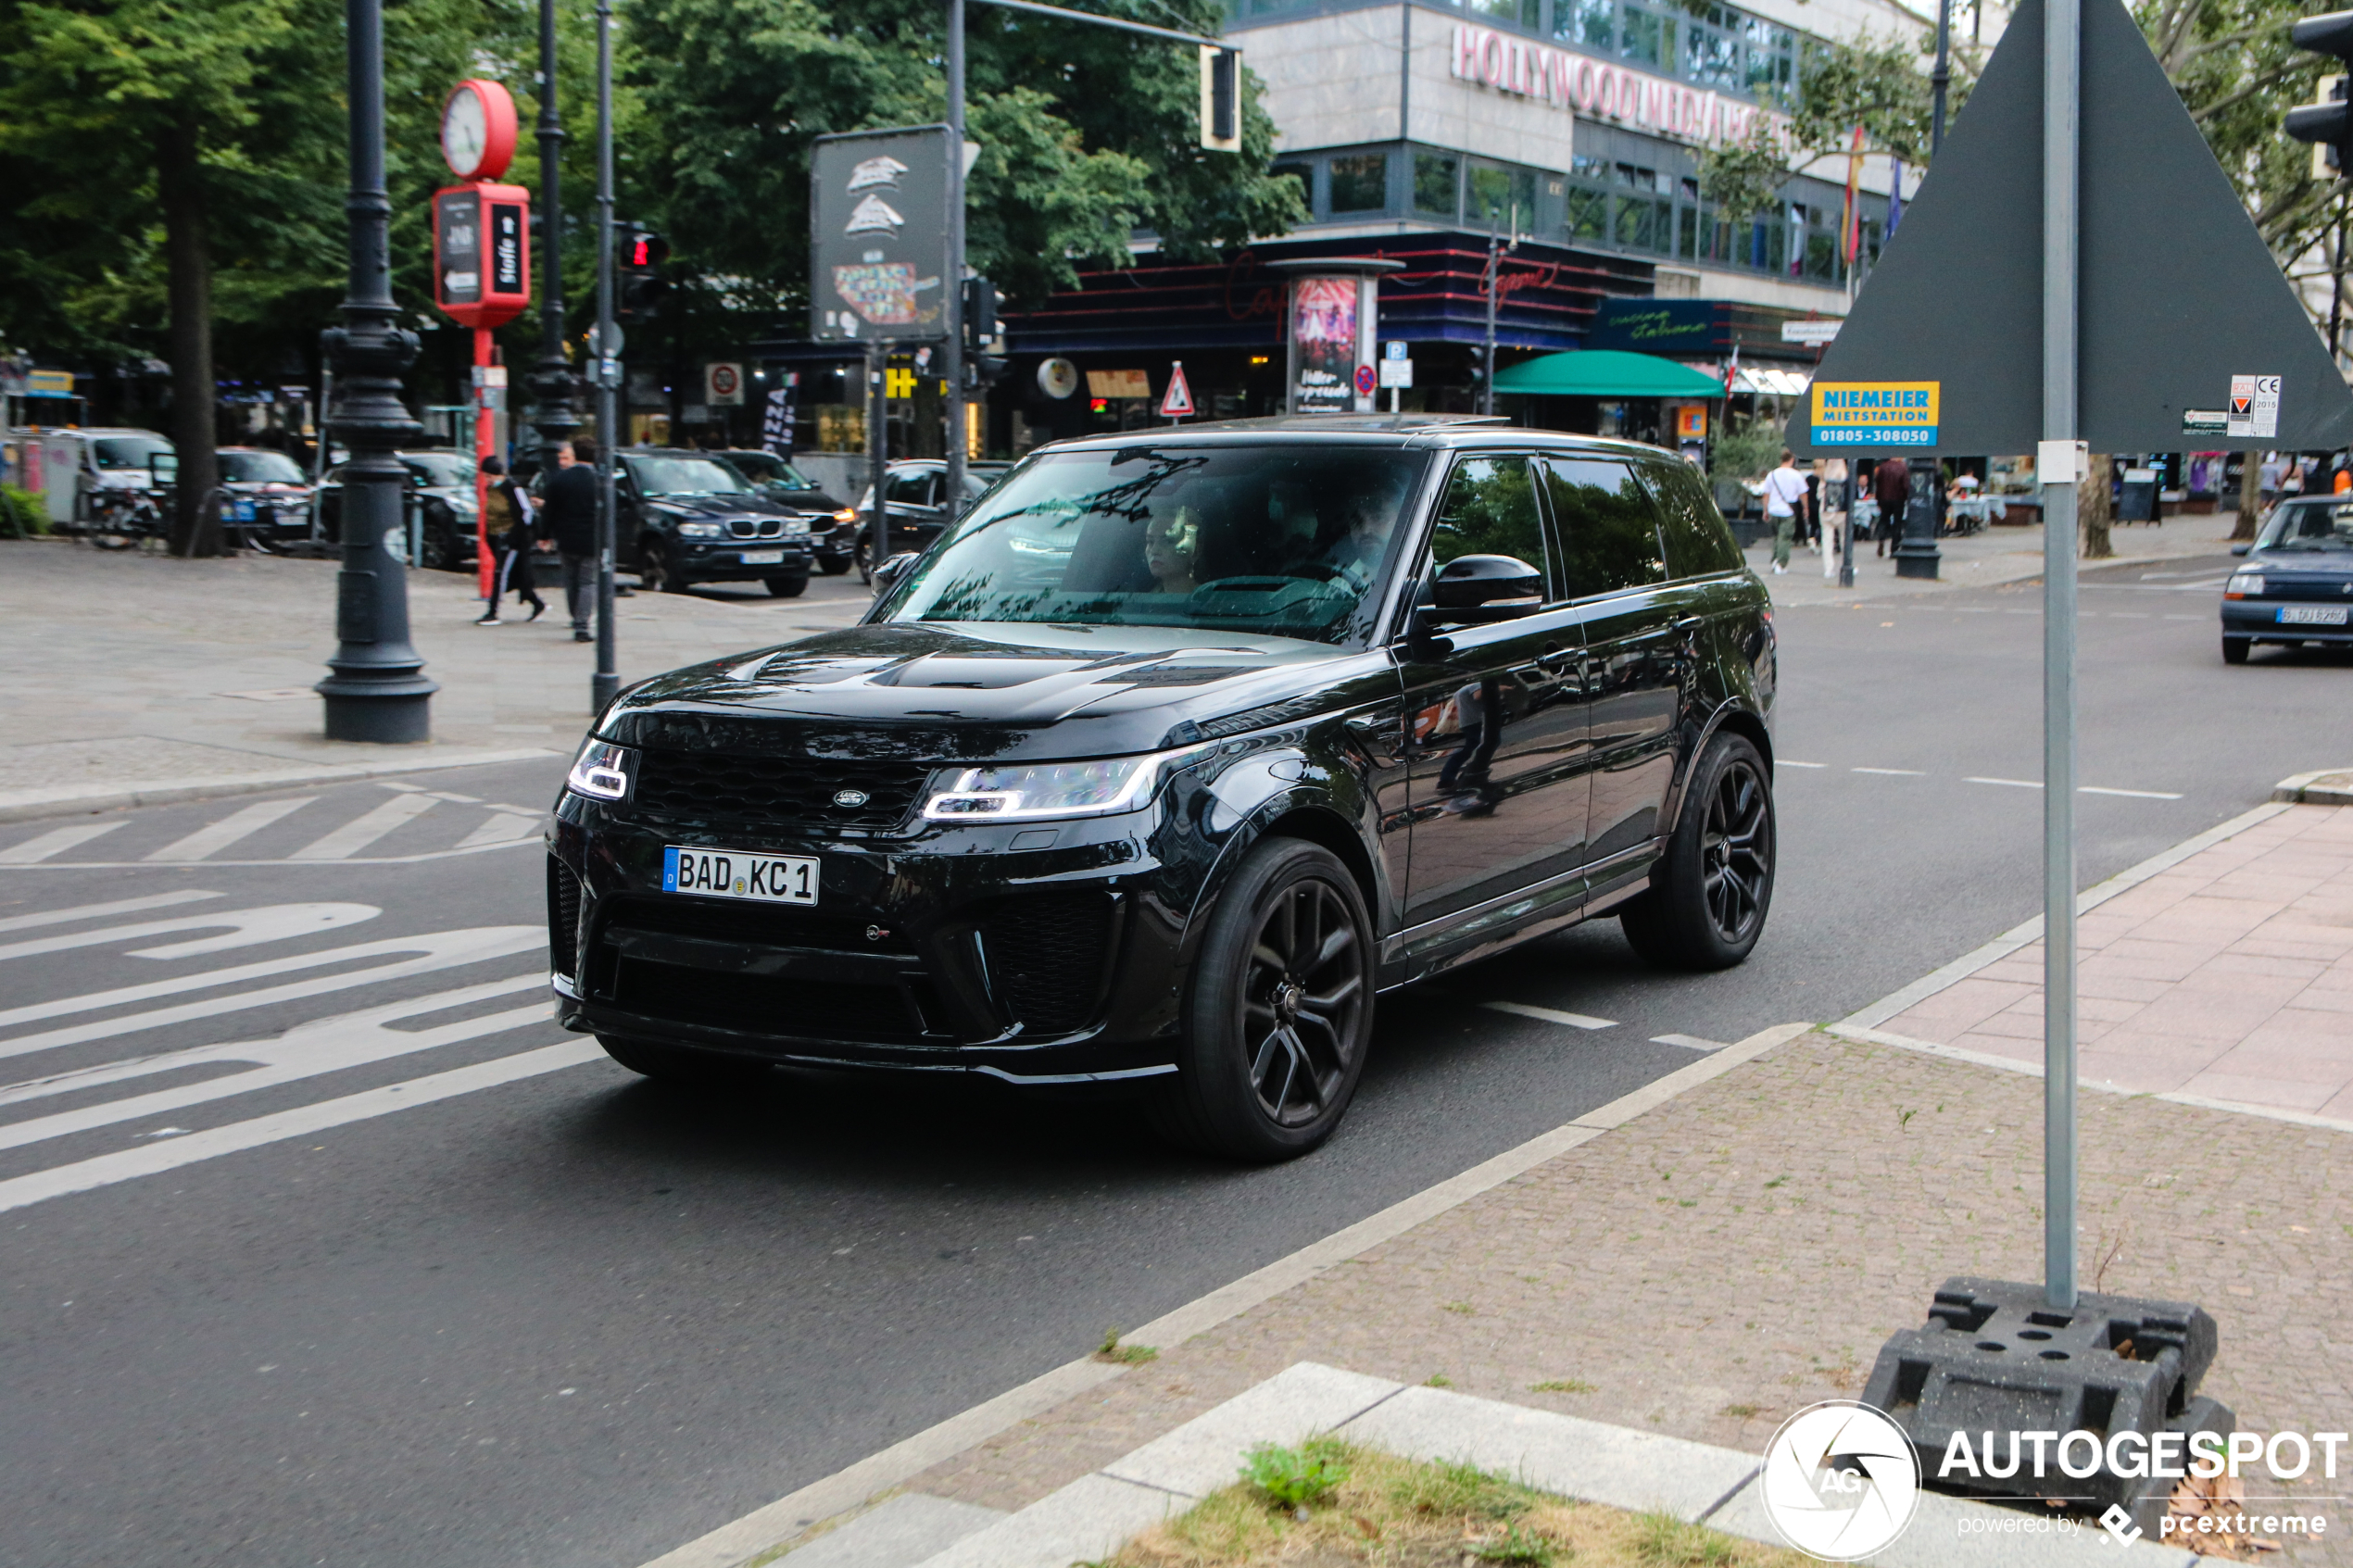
[974, 692]
[716, 506]
[805, 500]
[2318, 563]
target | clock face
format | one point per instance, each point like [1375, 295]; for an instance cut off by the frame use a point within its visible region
[465, 132]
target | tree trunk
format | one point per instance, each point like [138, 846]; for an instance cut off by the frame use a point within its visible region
[2093, 509]
[187, 243]
[2250, 496]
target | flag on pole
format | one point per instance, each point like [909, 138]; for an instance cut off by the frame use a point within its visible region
[1851, 222]
[1732, 368]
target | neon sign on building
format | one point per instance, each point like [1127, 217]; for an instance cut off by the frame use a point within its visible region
[1602, 89]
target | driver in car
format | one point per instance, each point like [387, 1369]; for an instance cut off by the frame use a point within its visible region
[1356, 555]
[1171, 547]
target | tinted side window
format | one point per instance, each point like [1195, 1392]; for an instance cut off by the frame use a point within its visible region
[1697, 540]
[1608, 538]
[1489, 510]
[910, 489]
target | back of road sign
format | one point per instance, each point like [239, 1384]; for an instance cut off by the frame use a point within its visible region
[2180, 296]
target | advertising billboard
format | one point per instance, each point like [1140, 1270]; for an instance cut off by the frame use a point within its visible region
[1333, 320]
[878, 236]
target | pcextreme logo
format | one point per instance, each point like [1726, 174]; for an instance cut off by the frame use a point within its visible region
[1839, 1481]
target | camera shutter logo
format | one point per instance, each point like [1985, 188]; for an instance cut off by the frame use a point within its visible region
[1841, 1481]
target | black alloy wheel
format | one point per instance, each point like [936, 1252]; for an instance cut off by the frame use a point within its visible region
[654, 569]
[1280, 1011]
[863, 559]
[1709, 893]
[834, 565]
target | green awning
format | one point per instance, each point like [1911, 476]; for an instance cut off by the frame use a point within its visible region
[1606, 372]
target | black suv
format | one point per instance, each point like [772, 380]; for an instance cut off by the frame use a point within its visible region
[1171, 754]
[833, 527]
[685, 517]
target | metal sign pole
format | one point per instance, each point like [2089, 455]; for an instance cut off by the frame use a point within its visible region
[606, 683]
[951, 358]
[2056, 463]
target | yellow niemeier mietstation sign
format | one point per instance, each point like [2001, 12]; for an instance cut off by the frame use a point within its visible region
[1874, 413]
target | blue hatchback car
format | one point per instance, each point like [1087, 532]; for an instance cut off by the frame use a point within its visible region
[2297, 584]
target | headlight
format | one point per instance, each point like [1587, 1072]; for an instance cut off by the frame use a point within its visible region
[796, 529]
[846, 515]
[702, 530]
[1054, 789]
[2244, 585]
[601, 771]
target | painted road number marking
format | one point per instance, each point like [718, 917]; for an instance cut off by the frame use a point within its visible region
[733, 873]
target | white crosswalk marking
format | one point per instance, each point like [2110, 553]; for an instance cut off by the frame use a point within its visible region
[1551, 1015]
[272, 922]
[360, 832]
[112, 906]
[228, 830]
[503, 828]
[56, 840]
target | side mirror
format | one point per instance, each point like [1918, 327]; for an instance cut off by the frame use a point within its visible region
[163, 466]
[888, 574]
[1476, 590]
[2240, 549]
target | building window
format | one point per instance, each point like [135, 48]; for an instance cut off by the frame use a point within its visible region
[1502, 196]
[1437, 185]
[1646, 39]
[1586, 215]
[1360, 183]
[1591, 23]
[1522, 12]
[1305, 174]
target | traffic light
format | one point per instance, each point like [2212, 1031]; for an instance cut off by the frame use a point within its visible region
[980, 313]
[1478, 365]
[2327, 122]
[639, 255]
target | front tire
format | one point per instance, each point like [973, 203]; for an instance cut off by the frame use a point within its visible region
[863, 558]
[787, 587]
[2234, 650]
[1708, 895]
[654, 570]
[1279, 1011]
[833, 566]
[682, 1065]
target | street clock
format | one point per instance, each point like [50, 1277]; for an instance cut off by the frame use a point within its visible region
[478, 130]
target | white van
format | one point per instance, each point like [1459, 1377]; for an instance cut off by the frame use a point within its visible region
[74, 465]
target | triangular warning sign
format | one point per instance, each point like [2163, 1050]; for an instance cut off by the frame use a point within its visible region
[2178, 293]
[1177, 402]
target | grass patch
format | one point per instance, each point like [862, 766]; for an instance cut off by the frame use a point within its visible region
[1112, 1351]
[1561, 1385]
[1377, 1511]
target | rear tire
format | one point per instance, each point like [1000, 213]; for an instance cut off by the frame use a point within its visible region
[863, 559]
[2234, 650]
[787, 587]
[1279, 1011]
[1709, 896]
[682, 1065]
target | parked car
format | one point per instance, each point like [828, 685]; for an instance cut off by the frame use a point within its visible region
[916, 486]
[88, 475]
[2297, 584]
[833, 527]
[268, 497]
[440, 483]
[684, 517]
[1183, 748]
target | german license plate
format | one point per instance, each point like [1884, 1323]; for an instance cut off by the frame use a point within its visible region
[2312, 615]
[739, 873]
[763, 558]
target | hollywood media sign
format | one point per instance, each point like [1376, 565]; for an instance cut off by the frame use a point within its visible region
[1597, 87]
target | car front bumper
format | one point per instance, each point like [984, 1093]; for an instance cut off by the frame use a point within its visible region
[2258, 621]
[1033, 953]
[695, 560]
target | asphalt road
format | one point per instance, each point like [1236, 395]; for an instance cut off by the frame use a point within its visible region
[304, 1312]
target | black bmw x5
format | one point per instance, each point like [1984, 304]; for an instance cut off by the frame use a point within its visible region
[1171, 755]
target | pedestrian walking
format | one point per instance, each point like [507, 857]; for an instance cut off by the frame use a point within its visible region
[1892, 488]
[1784, 493]
[506, 520]
[1835, 504]
[568, 518]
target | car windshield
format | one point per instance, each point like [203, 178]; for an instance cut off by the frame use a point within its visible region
[687, 476]
[445, 470]
[258, 468]
[126, 451]
[1281, 541]
[2320, 525]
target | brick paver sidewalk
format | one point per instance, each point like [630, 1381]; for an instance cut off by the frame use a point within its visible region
[2228, 977]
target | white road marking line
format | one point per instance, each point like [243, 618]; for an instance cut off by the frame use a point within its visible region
[270, 922]
[1688, 1042]
[112, 906]
[2128, 615]
[217, 837]
[362, 831]
[150, 1158]
[438, 949]
[56, 840]
[2134, 794]
[1786, 762]
[2013, 784]
[1892, 772]
[328, 1045]
[2183, 618]
[355, 860]
[502, 828]
[1551, 1015]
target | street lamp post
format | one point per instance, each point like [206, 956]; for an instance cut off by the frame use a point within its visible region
[553, 414]
[951, 363]
[378, 690]
[1942, 77]
[606, 683]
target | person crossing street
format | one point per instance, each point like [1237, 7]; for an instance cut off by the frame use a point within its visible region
[508, 523]
[1784, 493]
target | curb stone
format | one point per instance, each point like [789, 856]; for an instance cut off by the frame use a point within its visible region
[24, 805]
[788, 1516]
[2325, 787]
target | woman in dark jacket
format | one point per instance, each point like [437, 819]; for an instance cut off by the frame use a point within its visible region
[506, 519]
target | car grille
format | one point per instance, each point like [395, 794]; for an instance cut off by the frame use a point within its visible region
[563, 919]
[1045, 957]
[700, 789]
[756, 527]
[2328, 590]
[763, 925]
